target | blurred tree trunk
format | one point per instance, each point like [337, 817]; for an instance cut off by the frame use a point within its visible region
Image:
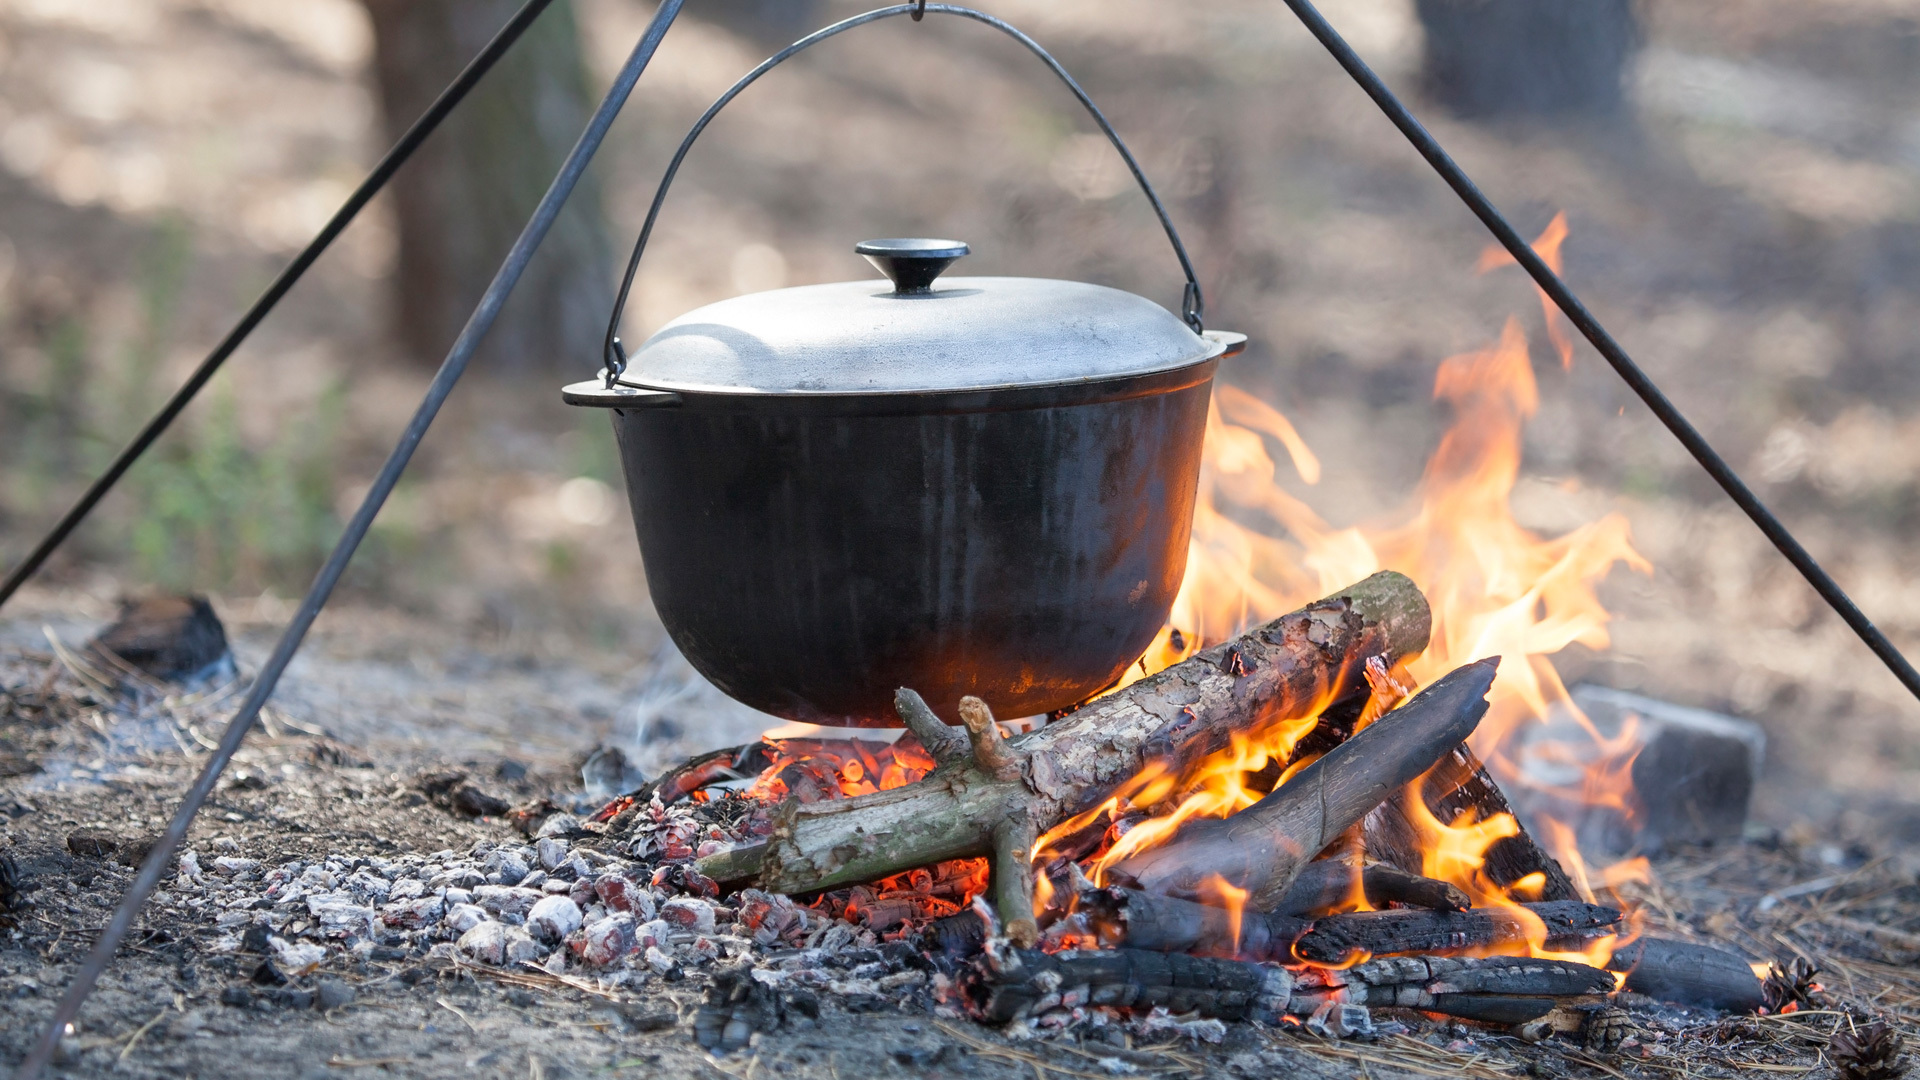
[1528, 57]
[469, 190]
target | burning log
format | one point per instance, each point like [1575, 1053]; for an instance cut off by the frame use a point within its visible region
[1568, 924]
[1263, 848]
[1169, 924]
[1459, 784]
[1139, 920]
[1688, 974]
[1278, 671]
[1327, 883]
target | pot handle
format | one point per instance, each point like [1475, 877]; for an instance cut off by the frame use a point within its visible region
[1192, 306]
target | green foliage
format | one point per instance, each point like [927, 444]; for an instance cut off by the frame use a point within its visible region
[207, 508]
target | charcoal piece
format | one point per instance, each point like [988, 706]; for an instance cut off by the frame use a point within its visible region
[92, 843]
[11, 898]
[134, 852]
[470, 801]
[922, 1057]
[257, 939]
[171, 638]
[1338, 1020]
[1684, 973]
[644, 1022]
[736, 1008]
[451, 790]
[954, 937]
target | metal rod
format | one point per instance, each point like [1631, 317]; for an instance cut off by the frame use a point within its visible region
[1577, 313]
[455, 92]
[443, 382]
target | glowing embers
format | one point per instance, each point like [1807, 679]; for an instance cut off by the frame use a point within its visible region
[815, 769]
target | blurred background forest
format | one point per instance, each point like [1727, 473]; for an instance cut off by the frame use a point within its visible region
[1741, 180]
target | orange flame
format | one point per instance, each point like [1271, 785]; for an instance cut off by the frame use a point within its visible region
[1548, 248]
[1496, 588]
[1222, 893]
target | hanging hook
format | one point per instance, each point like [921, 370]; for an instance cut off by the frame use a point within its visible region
[920, 12]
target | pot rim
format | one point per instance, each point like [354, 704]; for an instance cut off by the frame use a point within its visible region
[629, 395]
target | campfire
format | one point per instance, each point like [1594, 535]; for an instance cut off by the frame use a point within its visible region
[1283, 817]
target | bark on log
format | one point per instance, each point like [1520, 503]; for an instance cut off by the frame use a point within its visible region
[1179, 716]
[1337, 939]
[1460, 784]
[1684, 973]
[1327, 883]
[941, 741]
[1261, 849]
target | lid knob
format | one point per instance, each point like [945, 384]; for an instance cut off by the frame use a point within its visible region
[911, 262]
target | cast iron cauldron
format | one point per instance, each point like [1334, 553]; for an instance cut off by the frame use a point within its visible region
[976, 486]
[984, 487]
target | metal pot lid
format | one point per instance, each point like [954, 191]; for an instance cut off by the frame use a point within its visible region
[864, 337]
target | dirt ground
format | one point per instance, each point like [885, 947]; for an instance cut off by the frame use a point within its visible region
[181, 1001]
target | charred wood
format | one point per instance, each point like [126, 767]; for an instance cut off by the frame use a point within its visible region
[1457, 986]
[1339, 938]
[1327, 883]
[1006, 984]
[1127, 917]
[1262, 849]
[1012, 984]
[1684, 973]
[1460, 785]
[1139, 920]
[1177, 717]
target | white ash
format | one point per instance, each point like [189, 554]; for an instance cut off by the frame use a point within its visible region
[556, 903]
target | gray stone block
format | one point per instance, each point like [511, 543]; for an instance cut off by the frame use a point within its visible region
[1693, 772]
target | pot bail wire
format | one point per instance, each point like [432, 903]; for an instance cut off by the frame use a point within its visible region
[1192, 304]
